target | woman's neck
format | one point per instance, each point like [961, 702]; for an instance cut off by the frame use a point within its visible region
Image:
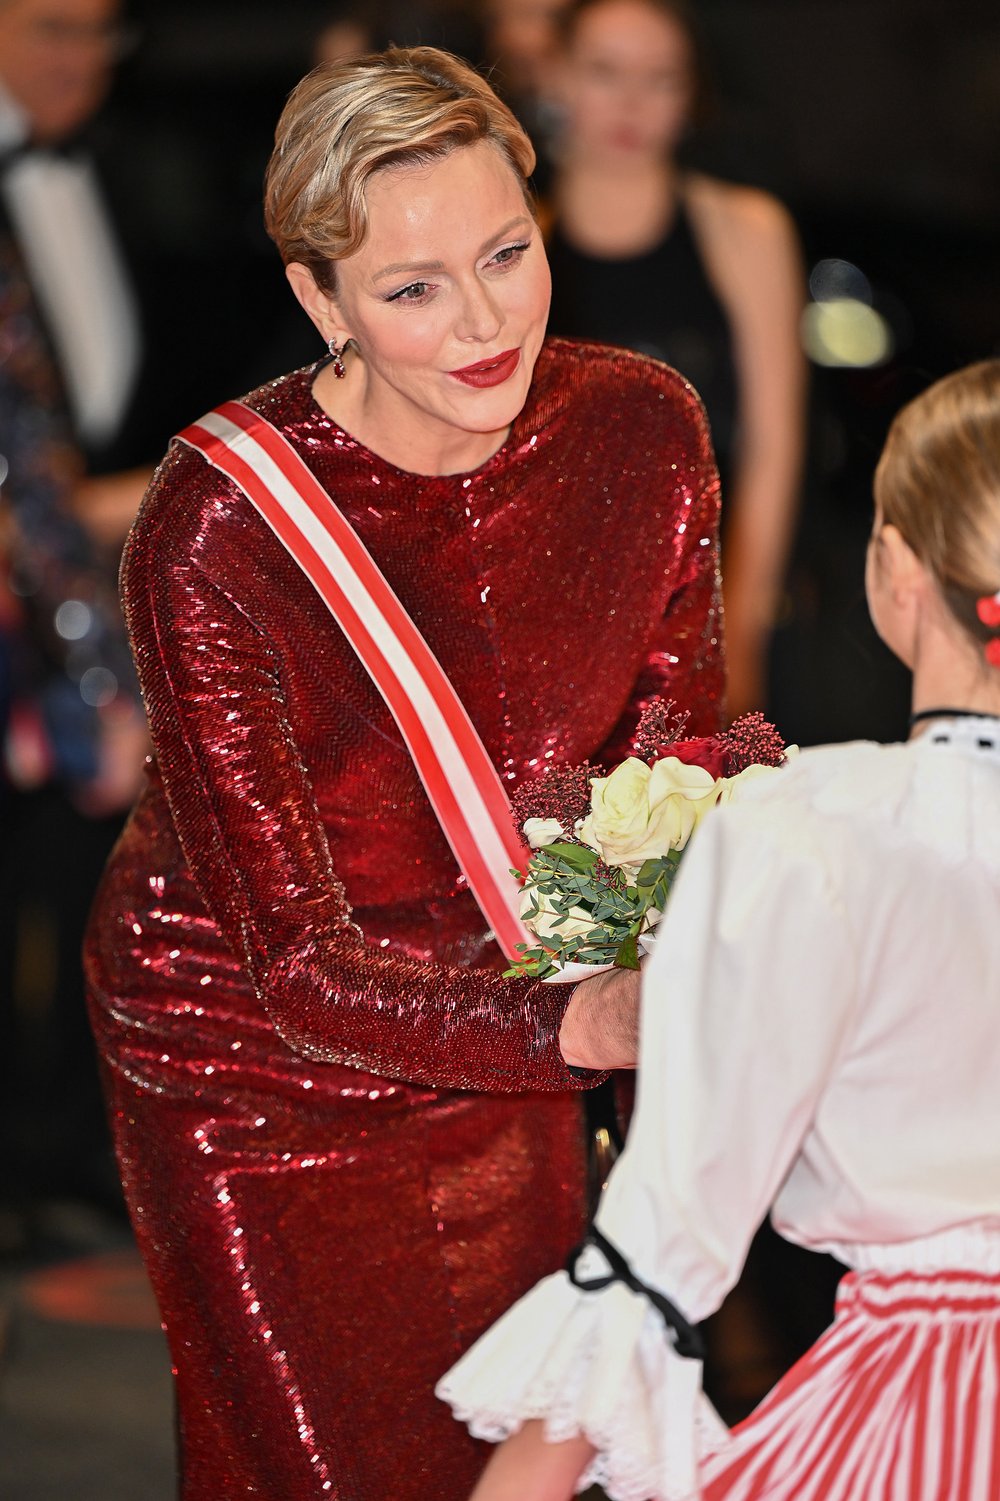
[407, 440]
[608, 209]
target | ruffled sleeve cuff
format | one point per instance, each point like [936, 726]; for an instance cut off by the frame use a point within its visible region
[601, 1364]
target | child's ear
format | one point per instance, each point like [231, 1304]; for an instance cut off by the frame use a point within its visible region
[904, 571]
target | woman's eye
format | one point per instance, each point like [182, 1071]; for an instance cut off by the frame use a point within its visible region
[509, 255]
[415, 292]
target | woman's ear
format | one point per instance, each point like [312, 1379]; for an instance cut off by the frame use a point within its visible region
[320, 306]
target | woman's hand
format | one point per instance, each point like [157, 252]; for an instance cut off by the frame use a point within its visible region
[122, 747]
[601, 1026]
[106, 505]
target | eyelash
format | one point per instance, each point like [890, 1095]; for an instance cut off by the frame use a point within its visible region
[513, 252]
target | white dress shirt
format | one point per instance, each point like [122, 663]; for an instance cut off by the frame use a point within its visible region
[77, 274]
[821, 1036]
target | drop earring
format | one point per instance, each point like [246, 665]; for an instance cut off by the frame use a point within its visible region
[337, 356]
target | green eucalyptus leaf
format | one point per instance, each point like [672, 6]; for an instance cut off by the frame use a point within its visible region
[627, 956]
[650, 871]
[576, 856]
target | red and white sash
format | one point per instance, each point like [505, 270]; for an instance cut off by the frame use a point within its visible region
[461, 781]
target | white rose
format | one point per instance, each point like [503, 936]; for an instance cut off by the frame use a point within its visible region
[679, 797]
[637, 814]
[539, 831]
[731, 788]
[548, 924]
[619, 807]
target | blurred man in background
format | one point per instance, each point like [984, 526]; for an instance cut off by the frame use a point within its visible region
[70, 365]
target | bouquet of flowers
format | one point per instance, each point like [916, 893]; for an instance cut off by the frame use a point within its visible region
[607, 846]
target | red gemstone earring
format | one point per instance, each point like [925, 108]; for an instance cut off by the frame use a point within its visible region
[337, 356]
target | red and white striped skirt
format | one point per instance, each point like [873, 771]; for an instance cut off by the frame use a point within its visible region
[898, 1401]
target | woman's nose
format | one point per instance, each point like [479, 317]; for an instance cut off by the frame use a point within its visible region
[480, 317]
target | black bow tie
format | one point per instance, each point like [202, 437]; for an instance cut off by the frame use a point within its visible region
[71, 150]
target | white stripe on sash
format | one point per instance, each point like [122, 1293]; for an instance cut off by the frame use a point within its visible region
[461, 781]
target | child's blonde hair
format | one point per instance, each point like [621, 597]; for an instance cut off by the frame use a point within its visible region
[938, 482]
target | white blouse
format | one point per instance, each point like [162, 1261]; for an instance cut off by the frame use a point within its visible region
[820, 1035]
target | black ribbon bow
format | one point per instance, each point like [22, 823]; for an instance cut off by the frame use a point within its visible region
[687, 1340]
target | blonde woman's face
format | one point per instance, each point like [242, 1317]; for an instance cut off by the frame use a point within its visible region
[625, 83]
[448, 297]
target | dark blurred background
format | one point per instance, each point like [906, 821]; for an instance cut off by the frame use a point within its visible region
[876, 121]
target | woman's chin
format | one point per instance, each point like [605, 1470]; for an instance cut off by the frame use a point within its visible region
[492, 410]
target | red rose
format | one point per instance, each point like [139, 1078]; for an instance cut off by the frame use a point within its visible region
[710, 752]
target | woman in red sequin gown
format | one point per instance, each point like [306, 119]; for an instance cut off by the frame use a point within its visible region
[347, 1142]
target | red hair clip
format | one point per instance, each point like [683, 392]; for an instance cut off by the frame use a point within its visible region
[988, 610]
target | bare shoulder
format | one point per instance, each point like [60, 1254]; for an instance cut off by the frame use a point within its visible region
[733, 208]
[747, 236]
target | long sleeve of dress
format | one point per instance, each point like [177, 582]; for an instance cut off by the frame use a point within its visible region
[747, 1004]
[248, 822]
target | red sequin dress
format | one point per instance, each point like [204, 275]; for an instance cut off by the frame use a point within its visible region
[347, 1143]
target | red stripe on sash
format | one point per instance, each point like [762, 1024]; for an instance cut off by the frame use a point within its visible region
[363, 565]
[487, 872]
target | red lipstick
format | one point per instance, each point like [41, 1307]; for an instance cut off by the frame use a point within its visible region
[491, 372]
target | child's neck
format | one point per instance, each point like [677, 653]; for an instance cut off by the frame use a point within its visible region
[949, 680]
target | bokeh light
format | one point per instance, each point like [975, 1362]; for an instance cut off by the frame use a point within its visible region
[841, 327]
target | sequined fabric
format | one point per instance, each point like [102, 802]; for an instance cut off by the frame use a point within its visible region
[348, 1144]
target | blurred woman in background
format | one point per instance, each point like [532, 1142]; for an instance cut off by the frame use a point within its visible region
[701, 273]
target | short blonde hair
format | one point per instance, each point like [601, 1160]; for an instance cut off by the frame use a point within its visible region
[938, 482]
[348, 120]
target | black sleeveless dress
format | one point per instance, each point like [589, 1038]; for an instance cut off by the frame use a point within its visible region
[659, 303]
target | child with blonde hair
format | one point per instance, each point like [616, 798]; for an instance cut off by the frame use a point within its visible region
[819, 1039]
